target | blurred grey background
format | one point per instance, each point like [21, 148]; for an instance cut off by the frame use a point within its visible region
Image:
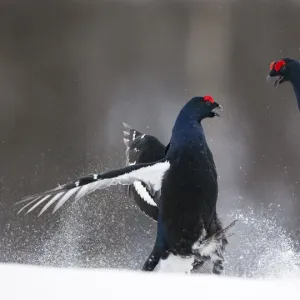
[72, 71]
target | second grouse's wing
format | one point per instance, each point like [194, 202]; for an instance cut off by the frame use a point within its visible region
[149, 174]
[142, 148]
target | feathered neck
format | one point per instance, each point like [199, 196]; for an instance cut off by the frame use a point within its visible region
[187, 128]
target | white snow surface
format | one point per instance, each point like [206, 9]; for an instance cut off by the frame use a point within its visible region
[31, 283]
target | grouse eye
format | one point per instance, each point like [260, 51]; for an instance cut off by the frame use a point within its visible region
[209, 99]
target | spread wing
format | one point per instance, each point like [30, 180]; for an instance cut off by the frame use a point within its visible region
[150, 174]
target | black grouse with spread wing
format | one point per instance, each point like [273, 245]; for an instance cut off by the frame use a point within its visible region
[185, 179]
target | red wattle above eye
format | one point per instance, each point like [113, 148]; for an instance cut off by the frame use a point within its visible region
[278, 65]
[272, 65]
[209, 98]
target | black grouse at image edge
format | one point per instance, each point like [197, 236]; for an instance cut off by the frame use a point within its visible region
[184, 181]
[284, 70]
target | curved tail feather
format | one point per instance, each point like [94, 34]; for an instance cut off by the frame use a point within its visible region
[142, 148]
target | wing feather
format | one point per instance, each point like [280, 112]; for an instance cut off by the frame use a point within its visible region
[150, 174]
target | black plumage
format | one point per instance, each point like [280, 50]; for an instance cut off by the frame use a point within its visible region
[187, 205]
[145, 148]
[284, 70]
[185, 182]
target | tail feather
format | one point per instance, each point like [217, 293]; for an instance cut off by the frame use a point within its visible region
[142, 148]
[129, 136]
[130, 133]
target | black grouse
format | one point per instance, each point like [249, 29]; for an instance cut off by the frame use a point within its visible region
[185, 180]
[145, 148]
[286, 69]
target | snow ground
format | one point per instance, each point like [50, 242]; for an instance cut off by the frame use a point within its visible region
[31, 282]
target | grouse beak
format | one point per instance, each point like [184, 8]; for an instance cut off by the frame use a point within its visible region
[220, 107]
[214, 113]
[277, 80]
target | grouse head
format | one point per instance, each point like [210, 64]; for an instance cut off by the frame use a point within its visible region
[200, 108]
[284, 70]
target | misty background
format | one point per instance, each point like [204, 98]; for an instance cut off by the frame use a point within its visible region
[72, 71]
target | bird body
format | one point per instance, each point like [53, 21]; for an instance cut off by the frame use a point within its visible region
[144, 148]
[183, 181]
[188, 195]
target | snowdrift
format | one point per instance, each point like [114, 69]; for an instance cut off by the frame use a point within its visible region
[32, 283]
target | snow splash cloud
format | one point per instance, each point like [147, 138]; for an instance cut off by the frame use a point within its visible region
[260, 246]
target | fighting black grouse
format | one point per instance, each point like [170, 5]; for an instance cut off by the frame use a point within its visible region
[145, 148]
[286, 69]
[185, 180]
